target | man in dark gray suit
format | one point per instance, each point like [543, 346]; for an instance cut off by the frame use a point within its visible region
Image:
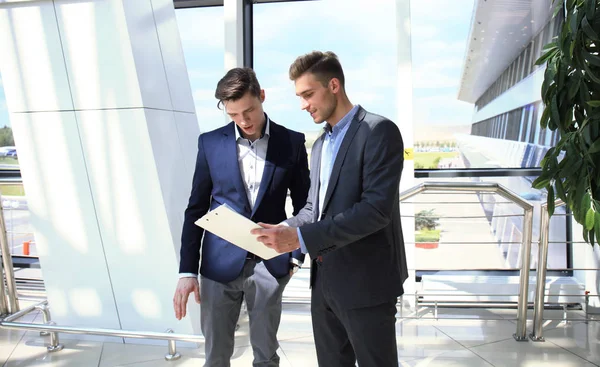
[350, 225]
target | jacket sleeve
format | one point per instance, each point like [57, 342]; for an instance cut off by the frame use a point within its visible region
[198, 205]
[300, 185]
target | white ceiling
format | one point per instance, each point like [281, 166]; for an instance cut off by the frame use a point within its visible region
[500, 29]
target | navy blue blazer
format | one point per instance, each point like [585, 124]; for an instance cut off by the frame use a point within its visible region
[217, 180]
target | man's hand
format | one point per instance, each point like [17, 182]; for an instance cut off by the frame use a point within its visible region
[278, 237]
[185, 286]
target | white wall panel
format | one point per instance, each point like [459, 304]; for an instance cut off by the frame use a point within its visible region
[31, 61]
[63, 215]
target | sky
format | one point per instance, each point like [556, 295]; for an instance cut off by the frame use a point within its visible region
[363, 35]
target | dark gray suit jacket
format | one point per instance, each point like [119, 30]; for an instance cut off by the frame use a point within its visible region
[358, 234]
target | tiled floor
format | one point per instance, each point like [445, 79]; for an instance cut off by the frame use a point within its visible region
[459, 337]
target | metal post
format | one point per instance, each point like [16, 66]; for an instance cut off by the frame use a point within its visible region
[13, 301]
[538, 317]
[542, 266]
[520, 335]
[3, 303]
[47, 319]
[172, 355]
[55, 345]
[587, 306]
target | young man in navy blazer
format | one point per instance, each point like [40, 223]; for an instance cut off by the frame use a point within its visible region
[248, 164]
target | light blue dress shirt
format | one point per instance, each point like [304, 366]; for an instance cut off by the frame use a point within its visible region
[331, 145]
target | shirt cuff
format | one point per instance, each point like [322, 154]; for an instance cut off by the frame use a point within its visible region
[187, 275]
[302, 244]
[295, 261]
[284, 223]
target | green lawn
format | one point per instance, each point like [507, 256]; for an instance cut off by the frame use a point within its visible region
[426, 159]
[12, 190]
[9, 160]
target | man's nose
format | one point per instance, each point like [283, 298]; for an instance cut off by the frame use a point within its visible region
[303, 104]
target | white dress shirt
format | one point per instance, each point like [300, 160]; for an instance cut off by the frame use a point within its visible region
[251, 160]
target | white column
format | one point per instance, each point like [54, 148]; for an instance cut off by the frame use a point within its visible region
[103, 117]
[405, 121]
[234, 33]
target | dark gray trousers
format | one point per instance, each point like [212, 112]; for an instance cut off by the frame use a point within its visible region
[344, 336]
[220, 309]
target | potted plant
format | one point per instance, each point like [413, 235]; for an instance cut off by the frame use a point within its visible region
[426, 234]
[571, 96]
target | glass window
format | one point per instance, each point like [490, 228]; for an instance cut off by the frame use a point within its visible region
[9, 158]
[203, 42]
[285, 30]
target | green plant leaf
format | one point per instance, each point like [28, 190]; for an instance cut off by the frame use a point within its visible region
[592, 59]
[560, 190]
[588, 30]
[540, 182]
[555, 116]
[574, 86]
[557, 8]
[597, 225]
[591, 9]
[570, 169]
[545, 118]
[551, 200]
[551, 53]
[594, 148]
[589, 219]
[586, 236]
[594, 103]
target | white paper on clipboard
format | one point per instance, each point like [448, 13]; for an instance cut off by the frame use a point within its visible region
[235, 228]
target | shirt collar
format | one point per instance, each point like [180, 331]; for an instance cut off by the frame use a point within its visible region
[343, 122]
[265, 132]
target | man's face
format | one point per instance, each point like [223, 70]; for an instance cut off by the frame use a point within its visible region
[248, 115]
[316, 99]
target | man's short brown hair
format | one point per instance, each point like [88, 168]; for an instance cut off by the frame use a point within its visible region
[235, 84]
[323, 65]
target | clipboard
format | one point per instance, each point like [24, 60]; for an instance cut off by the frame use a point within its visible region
[235, 228]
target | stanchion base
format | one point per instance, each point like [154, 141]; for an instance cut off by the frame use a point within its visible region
[520, 338]
[536, 338]
[172, 357]
[57, 348]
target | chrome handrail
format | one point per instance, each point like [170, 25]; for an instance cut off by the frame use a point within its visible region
[495, 188]
[542, 267]
[11, 286]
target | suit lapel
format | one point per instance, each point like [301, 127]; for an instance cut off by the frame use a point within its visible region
[341, 155]
[272, 149]
[315, 173]
[232, 164]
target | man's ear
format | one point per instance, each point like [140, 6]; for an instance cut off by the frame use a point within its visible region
[262, 95]
[334, 85]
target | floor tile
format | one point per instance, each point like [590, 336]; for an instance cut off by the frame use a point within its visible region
[242, 357]
[580, 338]
[117, 354]
[461, 358]
[471, 333]
[300, 352]
[31, 351]
[510, 353]
[421, 341]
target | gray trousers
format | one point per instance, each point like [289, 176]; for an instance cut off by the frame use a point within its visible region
[220, 309]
